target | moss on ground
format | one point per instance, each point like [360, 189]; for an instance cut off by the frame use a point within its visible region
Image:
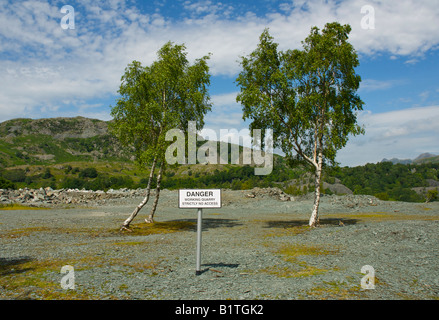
[145, 229]
[339, 290]
[376, 216]
[292, 252]
[25, 278]
[16, 206]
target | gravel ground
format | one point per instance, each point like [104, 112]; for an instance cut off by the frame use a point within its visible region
[252, 248]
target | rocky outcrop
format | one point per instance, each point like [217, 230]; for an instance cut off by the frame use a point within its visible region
[58, 128]
[48, 196]
[337, 188]
[269, 192]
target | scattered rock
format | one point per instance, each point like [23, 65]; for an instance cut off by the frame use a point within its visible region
[65, 196]
[269, 192]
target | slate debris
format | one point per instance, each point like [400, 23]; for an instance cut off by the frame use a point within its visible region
[243, 249]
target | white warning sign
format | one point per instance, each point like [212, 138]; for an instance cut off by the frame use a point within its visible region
[199, 198]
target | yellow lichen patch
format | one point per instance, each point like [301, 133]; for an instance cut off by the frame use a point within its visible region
[334, 290]
[291, 252]
[128, 243]
[350, 288]
[24, 278]
[160, 228]
[378, 216]
[360, 215]
[21, 232]
[16, 206]
[299, 269]
[287, 231]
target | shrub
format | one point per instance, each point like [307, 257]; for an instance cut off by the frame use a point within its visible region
[431, 195]
[15, 175]
[88, 173]
[47, 174]
[73, 183]
[382, 196]
[6, 184]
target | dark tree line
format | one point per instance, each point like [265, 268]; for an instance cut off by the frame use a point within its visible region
[388, 181]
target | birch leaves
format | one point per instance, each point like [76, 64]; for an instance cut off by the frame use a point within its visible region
[156, 98]
[308, 97]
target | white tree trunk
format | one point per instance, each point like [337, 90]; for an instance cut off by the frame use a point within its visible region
[314, 219]
[144, 201]
[157, 195]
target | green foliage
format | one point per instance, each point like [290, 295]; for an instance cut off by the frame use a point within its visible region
[307, 97]
[72, 183]
[101, 182]
[88, 173]
[382, 196]
[47, 174]
[327, 191]
[15, 175]
[296, 190]
[383, 180]
[387, 181]
[432, 195]
[106, 144]
[235, 177]
[157, 98]
[6, 184]
[57, 140]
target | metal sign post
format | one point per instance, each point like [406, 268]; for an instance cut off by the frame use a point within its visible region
[199, 226]
[199, 199]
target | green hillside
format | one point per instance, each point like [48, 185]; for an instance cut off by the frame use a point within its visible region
[433, 159]
[80, 153]
[57, 140]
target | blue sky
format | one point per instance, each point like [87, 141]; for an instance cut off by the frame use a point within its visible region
[49, 72]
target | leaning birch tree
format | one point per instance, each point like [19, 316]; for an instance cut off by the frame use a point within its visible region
[308, 97]
[154, 99]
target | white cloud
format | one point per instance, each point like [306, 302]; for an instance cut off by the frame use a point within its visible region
[226, 99]
[401, 134]
[42, 64]
[373, 85]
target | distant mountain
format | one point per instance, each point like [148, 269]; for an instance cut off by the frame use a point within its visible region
[426, 157]
[57, 140]
[81, 153]
[422, 158]
[54, 141]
